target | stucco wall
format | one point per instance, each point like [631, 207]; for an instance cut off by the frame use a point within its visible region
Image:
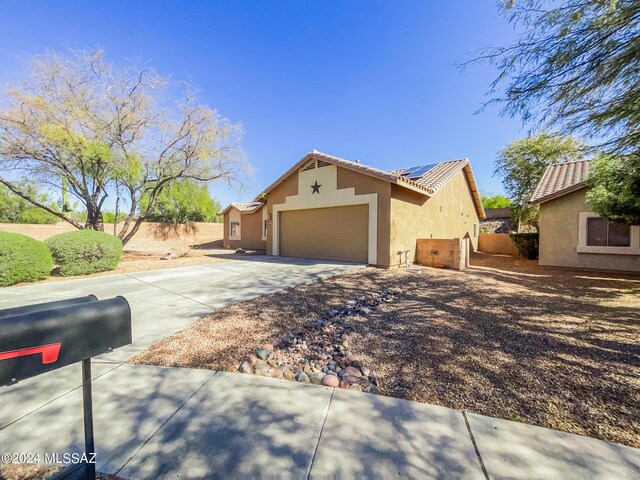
[338, 187]
[250, 230]
[559, 227]
[499, 243]
[449, 253]
[450, 213]
[287, 187]
[151, 237]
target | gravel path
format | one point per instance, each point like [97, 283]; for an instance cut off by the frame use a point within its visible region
[505, 338]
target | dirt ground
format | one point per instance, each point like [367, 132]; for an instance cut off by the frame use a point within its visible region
[38, 472]
[505, 338]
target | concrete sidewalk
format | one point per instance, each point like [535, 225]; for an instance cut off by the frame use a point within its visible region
[162, 423]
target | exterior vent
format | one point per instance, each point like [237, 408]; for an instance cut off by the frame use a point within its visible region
[322, 163]
[309, 166]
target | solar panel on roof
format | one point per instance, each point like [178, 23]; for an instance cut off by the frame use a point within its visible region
[417, 172]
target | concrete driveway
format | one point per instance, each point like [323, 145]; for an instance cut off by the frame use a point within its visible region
[165, 301]
[162, 302]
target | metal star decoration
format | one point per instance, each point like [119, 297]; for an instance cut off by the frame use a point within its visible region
[315, 188]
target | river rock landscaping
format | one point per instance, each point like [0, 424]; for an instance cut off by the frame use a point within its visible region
[504, 338]
[320, 352]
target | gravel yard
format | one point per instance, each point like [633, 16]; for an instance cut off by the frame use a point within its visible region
[14, 471]
[505, 338]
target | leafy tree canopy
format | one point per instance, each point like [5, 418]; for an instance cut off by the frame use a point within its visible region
[184, 201]
[15, 209]
[575, 67]
[522, 163]
[495, 201]
[615, 188]
[77, 122]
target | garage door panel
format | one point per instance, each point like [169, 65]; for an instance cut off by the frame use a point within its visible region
[336, 233]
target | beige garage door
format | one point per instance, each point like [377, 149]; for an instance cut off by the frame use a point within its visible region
[336, 233]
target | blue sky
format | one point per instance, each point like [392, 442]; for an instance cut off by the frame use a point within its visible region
[369, 80]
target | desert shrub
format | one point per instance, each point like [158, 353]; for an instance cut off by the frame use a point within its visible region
[85, 251]
[23, 259]
[527, 244]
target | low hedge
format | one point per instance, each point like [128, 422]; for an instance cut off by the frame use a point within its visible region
[23, 259]
[85, 251]
[527, 244]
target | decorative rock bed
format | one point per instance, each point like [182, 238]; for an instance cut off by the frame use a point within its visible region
[320, 353]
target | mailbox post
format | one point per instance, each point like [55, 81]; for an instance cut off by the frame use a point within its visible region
[36, 339]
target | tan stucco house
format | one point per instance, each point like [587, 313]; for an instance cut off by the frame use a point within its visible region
[571, 234]
[329, 208]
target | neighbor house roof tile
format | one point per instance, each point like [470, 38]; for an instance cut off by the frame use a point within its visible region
[561, 179]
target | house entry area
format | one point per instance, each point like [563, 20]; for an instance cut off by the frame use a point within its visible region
[335, 233]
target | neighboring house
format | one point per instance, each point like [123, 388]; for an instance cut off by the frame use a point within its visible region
[571, 235]
[251, 218]
[329, 208]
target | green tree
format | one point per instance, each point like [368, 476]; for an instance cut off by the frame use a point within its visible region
[79, 123]
[522, 163]
[574, 67]
[15, 209]
[495, 201]
[184, 201]
[615, 188]
[110, 217]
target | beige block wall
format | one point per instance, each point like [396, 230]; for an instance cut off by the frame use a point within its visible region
[497, 243]
[151, 236]
[250, 230]
[450, 253]
[450, 213]
[559, 221]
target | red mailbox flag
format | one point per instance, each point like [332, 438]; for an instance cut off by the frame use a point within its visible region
[49, 353]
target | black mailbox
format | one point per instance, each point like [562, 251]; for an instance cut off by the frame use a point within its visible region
[35, 339]
[10, 312]
[40, 338]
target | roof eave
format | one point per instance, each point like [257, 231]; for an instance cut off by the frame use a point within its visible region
[382, 176]
[403, 183]
[297, 165]
[230, 206]
[559, 193]
[475, 193]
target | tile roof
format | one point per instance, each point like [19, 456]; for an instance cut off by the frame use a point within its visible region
[247, 207]
[428, 183]
[561, 179]
[436, 177]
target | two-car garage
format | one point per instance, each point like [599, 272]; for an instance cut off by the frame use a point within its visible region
[334, 233]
